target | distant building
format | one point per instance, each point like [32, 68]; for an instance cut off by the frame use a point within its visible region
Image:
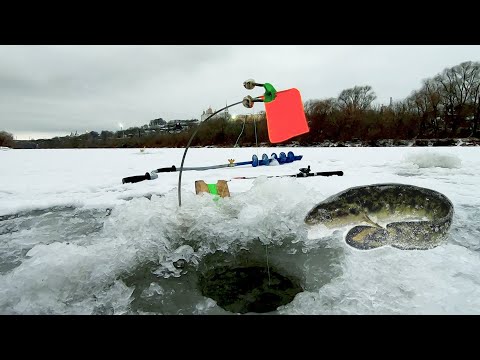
[157, 122]
[206, 114]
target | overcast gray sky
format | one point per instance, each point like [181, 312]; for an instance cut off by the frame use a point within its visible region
[48, 91]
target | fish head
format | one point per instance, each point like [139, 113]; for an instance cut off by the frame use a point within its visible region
[334, 215]
[319, 215]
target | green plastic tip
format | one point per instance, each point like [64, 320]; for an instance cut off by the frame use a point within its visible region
[270, 92]
[212, 188]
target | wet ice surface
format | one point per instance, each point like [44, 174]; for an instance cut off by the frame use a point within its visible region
[74, 240]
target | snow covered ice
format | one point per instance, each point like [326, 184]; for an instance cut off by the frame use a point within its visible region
[75, 240]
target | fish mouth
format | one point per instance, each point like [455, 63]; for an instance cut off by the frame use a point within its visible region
[312, 220]
[318, 216]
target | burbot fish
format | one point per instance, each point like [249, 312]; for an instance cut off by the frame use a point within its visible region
[399, 215]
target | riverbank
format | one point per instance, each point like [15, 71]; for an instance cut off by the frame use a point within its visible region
[327, 143]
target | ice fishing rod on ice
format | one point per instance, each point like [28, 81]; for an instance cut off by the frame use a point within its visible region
[304, 172]
[281, 159]
[220, 189]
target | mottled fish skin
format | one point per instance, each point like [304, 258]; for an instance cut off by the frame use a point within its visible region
[388, 203]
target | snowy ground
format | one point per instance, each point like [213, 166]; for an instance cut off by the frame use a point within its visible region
[75, 240]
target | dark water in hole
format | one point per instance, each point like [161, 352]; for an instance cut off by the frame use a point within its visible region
[248, 289]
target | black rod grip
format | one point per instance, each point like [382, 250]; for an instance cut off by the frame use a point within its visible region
[135, 179]
[321, 173]
[328, 173]
[167, 169]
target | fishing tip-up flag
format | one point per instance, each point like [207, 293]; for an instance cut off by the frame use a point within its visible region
[285, 113]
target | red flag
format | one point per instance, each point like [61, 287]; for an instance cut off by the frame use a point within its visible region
[286, 116]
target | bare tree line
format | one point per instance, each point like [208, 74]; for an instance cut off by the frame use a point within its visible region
[446, 106]
[6, 139]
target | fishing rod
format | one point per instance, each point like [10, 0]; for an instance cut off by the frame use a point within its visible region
[220, 189]
[304, 172]
[281, 159]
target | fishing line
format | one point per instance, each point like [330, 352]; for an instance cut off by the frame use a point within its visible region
[243, 127]
[241, 132]
[255, 127]
[268, 266]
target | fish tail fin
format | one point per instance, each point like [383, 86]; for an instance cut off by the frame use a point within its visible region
[366, 237]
